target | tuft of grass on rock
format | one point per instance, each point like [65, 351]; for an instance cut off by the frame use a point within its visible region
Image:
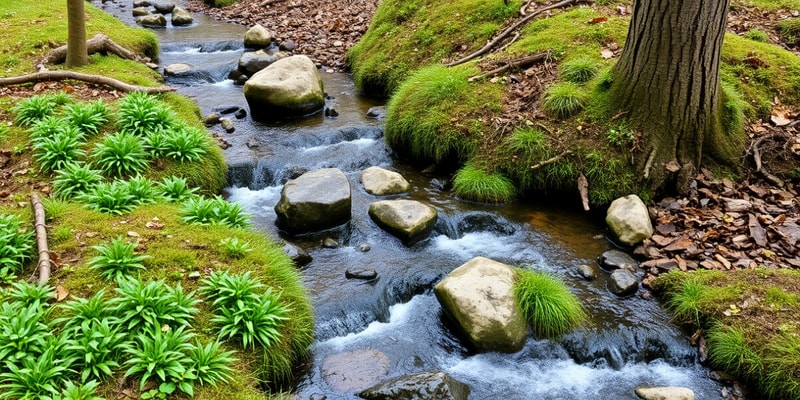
[475, 184]
[547, 304]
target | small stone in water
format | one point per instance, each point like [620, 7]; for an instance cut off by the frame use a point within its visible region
[329, 243]
[364, 248]
[361, 273]
[587, 272]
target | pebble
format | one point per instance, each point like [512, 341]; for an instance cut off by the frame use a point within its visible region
[330, 243]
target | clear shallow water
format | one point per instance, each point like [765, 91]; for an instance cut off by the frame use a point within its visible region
[626, 343]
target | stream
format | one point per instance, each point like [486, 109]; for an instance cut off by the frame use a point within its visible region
[626, 343]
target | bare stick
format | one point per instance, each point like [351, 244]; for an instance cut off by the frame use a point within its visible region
[550, 160]
[497, 39]
[41, 238]
[100, 80]
[649, 163]
[583, 190]
[516, 63]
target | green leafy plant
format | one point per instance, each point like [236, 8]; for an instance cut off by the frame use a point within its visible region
[32, 109]
[235, 248]
[140, 113]
[49, 126]
[473, 183]
[728, 349]
[226, 289]
[214, 211]
[564, 99]
[83, 391]
[155, 143]
[790, 29]
[120, 154]
[111, 198]
[579, 70]
[93, 310]
[185, 144]
[547, 304]
[212, 365]
[688, 301]
[163, 356]
[142, 307]
[87, 117]
[56, 152]
[143, 190]
[175, 189]
[31, 293]
[37, 378]
[23, 332]
[620, 137]
[74, 179]
[16, 245]
[117, 259]
[95, 345]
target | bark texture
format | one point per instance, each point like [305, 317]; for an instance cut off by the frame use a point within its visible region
[667, 79]
[76, 34]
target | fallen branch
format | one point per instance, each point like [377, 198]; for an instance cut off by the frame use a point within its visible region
[97, 79]
[551, 160]
[41, 238]
[516, 63]
[649, 163]
[100, 43]
[583, 190]
[497, 39]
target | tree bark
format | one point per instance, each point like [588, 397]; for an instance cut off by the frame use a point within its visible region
[99, 43]
[667, 79]
[76, 34]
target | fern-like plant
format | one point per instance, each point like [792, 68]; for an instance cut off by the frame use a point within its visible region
[234, 247]
[48, 127]
[31, 293]
[74, 179]
[143, 190]
[175, 189]
[140, 113]
[83, 391]
[23, 332]
[95, 347]
[142, 307]
[120, 154]
[253, 322]
[36, 378]
[93, 310]
[214, 211]
[87, 117]
[212, 365]
[163, 356]
[185, 144]
[33, 109]
[111, 198]
[117, 259]
[16, 245]
[55, 152]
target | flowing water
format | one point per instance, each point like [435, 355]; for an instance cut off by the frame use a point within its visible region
[627, 342]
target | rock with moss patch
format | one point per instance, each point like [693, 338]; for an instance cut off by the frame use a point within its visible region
[479, 296]
[316, 200]
[382, 182]
[665, 393]
[152, 21]
[409, 220]
[290, 87]
[421, 386]
[257, 37]
[181, 17]
[623, 282]
[628, 219]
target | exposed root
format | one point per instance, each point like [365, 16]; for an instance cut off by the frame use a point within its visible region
[583, 190]
[100, 43]
[97, 79]
[649, 164]
[550, 160]
[521, 62]
[41, 238]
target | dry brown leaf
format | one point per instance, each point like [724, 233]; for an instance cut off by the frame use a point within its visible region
[61, 293]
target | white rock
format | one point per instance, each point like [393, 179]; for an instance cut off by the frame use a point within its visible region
[629, 220]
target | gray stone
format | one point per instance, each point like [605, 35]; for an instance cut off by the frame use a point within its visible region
[152, 21]
[181, 17]
[194, 275]
[164, 7]
[240, 114]
[329, 243]
[177, 69]
[479, 295]
[227, 124]
[409, 220]
[623, 282]
[299, 256]
[665, 393]
[140, 12]
[355, 370]
[629, 220]
[290, 87]
[211, 119]
[616, 259]
[257, 37]
[363, 247]
[330, 112]
[226, 109]
[314, 201]
[142, 4]
[288, 45]
[382, 182]
[377, 112]
[366, 274]
[587, 272]
[253, 61]
[435, 385]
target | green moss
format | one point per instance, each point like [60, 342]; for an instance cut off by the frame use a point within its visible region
[756, 35]
[547, 304]
[476, 184]
[790, 29]
[564, 99]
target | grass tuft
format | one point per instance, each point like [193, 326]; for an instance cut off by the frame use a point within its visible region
[564, 99]
[579, 70]
[547, 304]
[474, 184]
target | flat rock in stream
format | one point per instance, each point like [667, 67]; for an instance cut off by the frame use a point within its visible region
[164, 7]
[616, 259]
[152, 21]
[181, 17]
[665, 393]
[257, 37]
[316, 200]
[623, 282]
[299, 256]
[409, 220]
[381, 182]
[435, 385]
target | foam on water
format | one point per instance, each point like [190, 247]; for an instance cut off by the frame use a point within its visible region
[399, 315]
[360, 143]
[490, 245]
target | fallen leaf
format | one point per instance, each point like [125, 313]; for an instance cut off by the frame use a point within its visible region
[61, 293]
[133, 234]
[606, 54]
[598, 20]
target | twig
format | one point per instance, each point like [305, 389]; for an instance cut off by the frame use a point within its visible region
[510, 42]
[98, 79]
[583, 190]
[550, 160]
[497, 39]
[649, 163]
[41, 238]
[516, 63]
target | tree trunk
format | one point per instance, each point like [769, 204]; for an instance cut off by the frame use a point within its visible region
[76, 34]
[667, 79]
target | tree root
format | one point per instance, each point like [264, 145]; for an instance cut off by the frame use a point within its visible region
[583, 190]
[550, 160]
[100, 43]
[497, 39]
[649, 164]
[521, 62]
[97, 79]
[41, 238]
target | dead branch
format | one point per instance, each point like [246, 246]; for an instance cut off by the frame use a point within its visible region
[550, 160]
[583, 190]
[97, 79]
[649, 163]
[497, 39]
[100, 43]
[521, 62]
[41, 238]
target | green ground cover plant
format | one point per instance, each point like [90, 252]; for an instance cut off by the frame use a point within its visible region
[549, 307]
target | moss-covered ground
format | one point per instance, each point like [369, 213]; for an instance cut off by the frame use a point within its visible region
[544, 126]
[174, 248]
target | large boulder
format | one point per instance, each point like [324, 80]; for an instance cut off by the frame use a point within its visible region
[628, 219]
[290, 87]
[253, 61]
[257, 37]
[382, 182]
[316, 200]
[435, 385]
[665, 393]
[181, 17]
[479, 295]
[409, 220]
